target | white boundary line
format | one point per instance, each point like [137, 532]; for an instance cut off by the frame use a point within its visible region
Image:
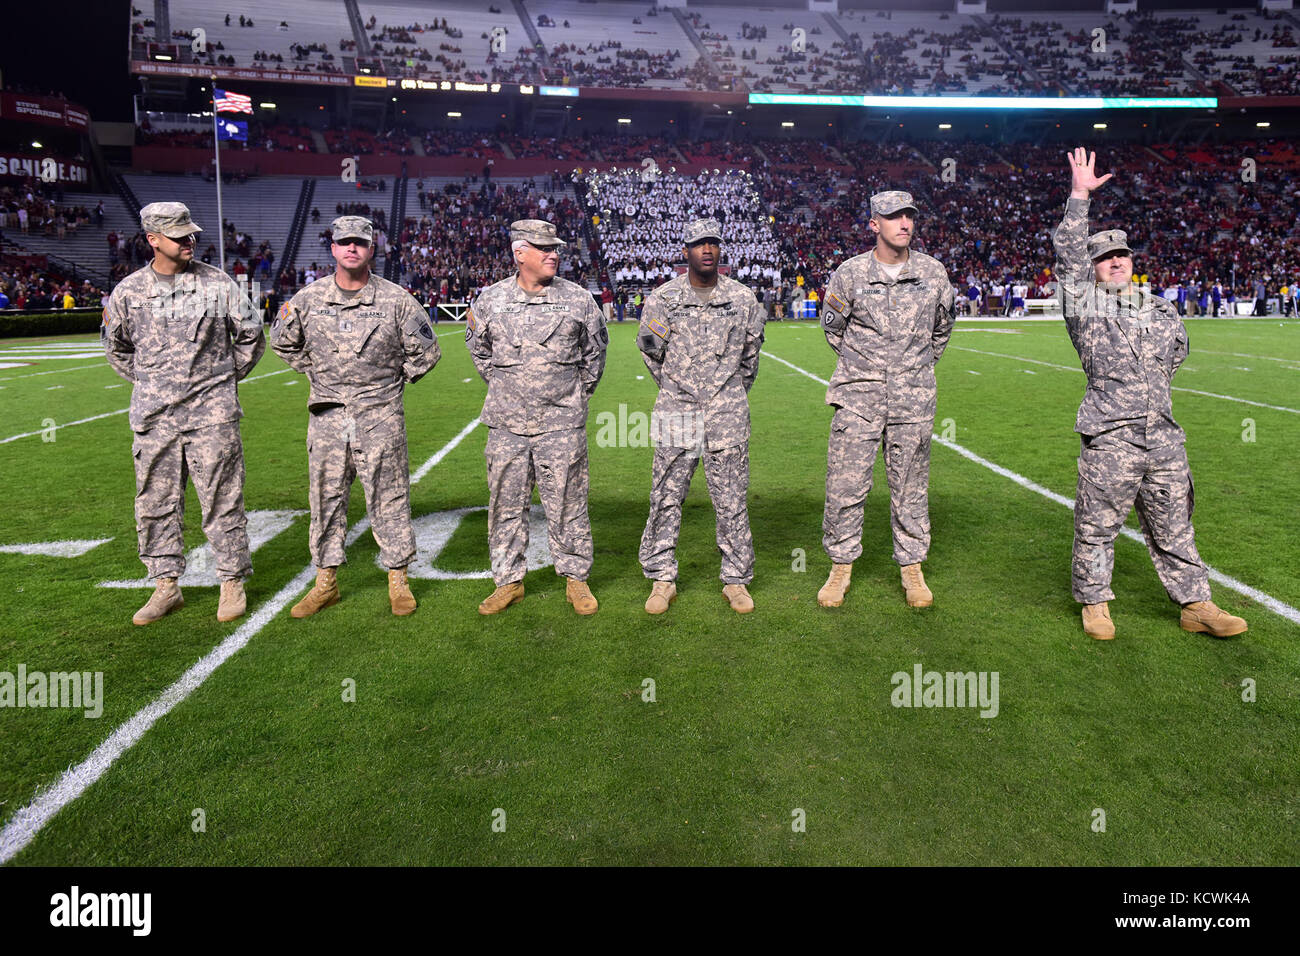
[26, 823]
[120, 411]
[1273, 604]
[1175, 388]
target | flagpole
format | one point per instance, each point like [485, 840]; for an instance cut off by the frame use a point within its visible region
[216, 152]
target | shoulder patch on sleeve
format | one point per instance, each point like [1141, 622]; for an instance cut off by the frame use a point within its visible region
[470, 324]
[283, 313]
[426, 331]
[658, 327]
[834, 302]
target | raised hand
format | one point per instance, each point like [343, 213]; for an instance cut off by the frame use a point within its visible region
[1082, 178]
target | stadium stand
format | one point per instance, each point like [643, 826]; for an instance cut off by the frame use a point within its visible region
[309, 42]
[614, 44]
[260, 209]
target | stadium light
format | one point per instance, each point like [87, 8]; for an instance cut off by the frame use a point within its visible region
[36, 144]
[624, 121]
[267, 106]
[453, 114]
[945, 126]
[161, 56]
[1264, 125]
[986, 102]
[788, 125]
[1098, 125]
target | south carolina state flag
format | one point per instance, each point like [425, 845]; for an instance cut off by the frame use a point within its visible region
[232, 129]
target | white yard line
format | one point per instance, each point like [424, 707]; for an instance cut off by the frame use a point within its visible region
[1176, 388]
[24, 825]
[1293, 363]
[1273, 604]
[57, 371]
[120, 411]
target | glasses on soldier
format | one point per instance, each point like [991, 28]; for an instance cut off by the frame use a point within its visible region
[353, 241]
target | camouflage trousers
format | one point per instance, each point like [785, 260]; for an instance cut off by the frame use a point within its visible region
[850, 457]
[1113, 476]
[340, 449]
[214, 457]
[727, 474]
[556, 463]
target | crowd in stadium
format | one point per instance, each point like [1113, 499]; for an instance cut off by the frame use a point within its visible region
[41, 288]
[460, 242]
[638, 218]
[33, 207]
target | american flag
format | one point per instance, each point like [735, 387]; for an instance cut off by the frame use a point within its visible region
[224, 102]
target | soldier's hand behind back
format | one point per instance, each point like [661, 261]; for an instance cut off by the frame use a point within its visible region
[1082, 178]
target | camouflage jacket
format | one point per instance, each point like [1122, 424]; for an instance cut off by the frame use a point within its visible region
[182, 350]
[705, 359]
[1130, 347]
[541, 356]
[888, 335]
[358, 352]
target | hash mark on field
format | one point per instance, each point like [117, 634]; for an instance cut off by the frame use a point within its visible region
[28, 821]
[50, 388]
[1268, 601]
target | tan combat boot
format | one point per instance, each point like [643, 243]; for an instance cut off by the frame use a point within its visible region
[662, 594]
[1097, 623]
[321, 596]
[233, 603]
[832, 592]
[918, 595]
[737, 596]
[166, 598]
[579, 595]
[1206, 617]
[502, 598]
[399, 593]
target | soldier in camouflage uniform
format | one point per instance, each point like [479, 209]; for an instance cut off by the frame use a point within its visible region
[1131, 343]
[183, 333]
[887, 314]
[539, 343]
[360, 339]
[700, 336]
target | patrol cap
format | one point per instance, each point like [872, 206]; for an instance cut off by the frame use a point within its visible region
[891, 201]
[535, 231]
[699, 229]
[1108, 241]
[170, 219]
[353, 227]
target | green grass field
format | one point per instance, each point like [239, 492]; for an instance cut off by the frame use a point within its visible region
[540, 713]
